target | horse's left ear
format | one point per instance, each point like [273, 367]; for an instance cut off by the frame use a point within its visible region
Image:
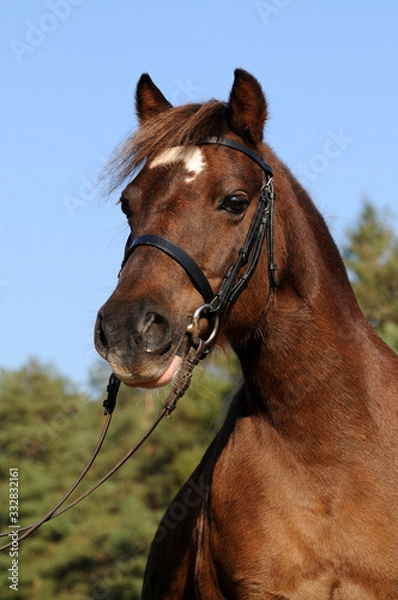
[149, 100]
[248, 107]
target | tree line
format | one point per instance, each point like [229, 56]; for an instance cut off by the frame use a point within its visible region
[98, 549]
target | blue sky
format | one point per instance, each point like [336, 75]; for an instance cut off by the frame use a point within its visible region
[69, 70]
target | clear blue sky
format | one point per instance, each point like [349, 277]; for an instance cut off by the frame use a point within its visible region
[69, 70]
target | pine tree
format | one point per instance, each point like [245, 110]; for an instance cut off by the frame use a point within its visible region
[371, 256]
[99, 548]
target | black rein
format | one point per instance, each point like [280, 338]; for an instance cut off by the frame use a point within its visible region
[232, 285]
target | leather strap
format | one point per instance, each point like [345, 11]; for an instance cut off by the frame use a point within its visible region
[241, 148]
[234, 281]
[193, 270]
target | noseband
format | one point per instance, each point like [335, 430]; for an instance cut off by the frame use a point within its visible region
[231, 286]
[234, 281]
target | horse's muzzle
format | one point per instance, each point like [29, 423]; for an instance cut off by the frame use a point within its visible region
[139, 341]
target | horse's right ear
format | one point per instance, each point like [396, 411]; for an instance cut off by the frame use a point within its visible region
[149, 100]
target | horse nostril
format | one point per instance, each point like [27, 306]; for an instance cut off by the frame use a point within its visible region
[133, 331]
[100, 336]
[155, 333]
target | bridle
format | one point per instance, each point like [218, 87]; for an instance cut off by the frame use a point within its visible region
[262, 226]
[215, 306]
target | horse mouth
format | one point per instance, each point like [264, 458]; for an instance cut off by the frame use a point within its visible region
[165, 378]
[151, 373]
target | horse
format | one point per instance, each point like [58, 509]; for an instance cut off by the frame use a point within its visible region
[296, 497]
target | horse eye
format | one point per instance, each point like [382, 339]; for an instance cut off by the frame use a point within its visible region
[124, 205]
[235, 205]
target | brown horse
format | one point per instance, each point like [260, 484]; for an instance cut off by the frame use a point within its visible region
[297, 496]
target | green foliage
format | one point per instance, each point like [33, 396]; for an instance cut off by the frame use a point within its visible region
[371, 256]
[98, 550]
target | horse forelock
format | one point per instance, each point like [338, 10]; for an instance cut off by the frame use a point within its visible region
[189, 124]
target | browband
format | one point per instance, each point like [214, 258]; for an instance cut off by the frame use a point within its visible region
[241, 148]
[233, 282]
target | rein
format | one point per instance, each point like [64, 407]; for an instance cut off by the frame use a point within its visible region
[190, 360]
[215, 305]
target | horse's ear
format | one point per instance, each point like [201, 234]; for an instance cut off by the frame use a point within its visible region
[149, 100]
[248, 107]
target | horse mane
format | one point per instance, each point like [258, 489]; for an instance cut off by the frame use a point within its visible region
[187, 124]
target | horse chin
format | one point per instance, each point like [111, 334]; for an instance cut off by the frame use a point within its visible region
[149, 379]
[163, 379]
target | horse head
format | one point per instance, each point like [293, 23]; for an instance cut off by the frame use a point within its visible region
[198, 196]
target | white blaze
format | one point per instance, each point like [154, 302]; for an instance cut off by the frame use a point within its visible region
[192, 157]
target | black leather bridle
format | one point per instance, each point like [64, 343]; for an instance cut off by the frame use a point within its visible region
[234, 281]
[215, 305]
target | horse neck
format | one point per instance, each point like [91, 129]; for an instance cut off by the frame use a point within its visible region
[302, 364]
